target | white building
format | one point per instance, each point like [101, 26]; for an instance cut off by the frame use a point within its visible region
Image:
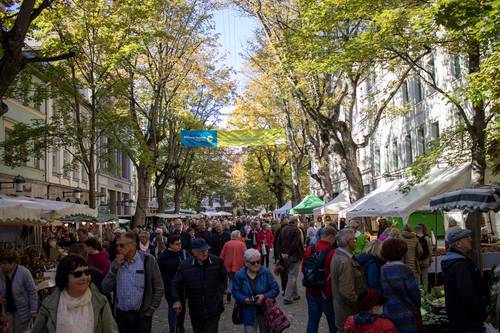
[401, 137]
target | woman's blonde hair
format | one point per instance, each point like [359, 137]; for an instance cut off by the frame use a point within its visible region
[394, 233]
[375, 248]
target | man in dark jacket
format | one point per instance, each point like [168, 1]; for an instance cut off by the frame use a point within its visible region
[179, 231]
[203, 278]
[465, 291]
[219, 238]
[292, 250]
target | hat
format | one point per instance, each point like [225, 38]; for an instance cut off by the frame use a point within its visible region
[119, 230]
[368, 298]
[159, 231]
[199, 244]
[457, 234]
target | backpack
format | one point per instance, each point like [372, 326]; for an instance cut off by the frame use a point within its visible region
[314, 269]
[425, 247]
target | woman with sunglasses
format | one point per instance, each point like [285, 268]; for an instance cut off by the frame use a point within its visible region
[76, 304]
[251, 286]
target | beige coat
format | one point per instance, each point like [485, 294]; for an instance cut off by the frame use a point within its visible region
[347, 281]
[414, 251]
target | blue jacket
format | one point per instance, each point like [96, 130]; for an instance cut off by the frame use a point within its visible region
[403, 296]
[24, 291]
[371, 268]
[265, 285]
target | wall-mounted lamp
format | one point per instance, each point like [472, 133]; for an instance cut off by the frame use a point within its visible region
[76, 193]
[17, 183]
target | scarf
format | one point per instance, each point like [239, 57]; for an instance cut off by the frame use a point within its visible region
[75, 312]
[365, 318]
[144, 248]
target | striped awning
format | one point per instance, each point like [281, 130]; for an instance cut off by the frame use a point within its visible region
[481, 199]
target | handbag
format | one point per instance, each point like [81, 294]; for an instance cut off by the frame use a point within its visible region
[276, 320]
[236, 315]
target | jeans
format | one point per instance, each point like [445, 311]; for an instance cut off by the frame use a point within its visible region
[316, 306]
[205, 325]
[133, 321]
[258, 326]
[265, 259]
[424, 277]
[292, 267]
[176, 323]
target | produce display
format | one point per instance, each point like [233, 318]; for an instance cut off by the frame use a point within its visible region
[433, 307]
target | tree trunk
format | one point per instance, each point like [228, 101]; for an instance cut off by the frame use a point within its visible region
[160, 193]
[92, 190]
[177, 197]
[141, 209]
[296, 168]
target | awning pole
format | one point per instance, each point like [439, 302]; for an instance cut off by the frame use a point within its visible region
[435, 249]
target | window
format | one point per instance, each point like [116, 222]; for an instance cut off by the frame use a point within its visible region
[36, 163]
[387, 159]
[405, 93]
[55, 163]
[85, 177]
[417, 90]
[408, 150]
[395, 155]
[435, 130]
[66, 159]
[456, 69]
[376, 161]
[420, 141]
[76, 173]
[431, 67]
[366, 189]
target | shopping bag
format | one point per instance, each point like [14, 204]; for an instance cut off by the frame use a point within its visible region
[236, 316]
[276, 320]
[488, 328]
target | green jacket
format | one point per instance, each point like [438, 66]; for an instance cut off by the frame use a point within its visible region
[361, 245]
[46, 319]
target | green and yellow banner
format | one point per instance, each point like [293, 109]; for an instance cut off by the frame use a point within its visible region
[236, 138]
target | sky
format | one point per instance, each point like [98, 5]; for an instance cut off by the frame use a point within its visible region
[235, 30]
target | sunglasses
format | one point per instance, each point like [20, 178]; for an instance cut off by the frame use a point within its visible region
[253, 263]
[79, 274]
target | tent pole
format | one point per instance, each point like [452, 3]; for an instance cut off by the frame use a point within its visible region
[435, 250]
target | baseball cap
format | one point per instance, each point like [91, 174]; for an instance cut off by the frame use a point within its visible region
[457, 234]
[199, 244]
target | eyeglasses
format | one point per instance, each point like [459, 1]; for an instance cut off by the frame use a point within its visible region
[253, 263]
[122, 245]
[78, 274]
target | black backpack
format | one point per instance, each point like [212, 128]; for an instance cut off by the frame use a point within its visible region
[314, 269]
[425, 247]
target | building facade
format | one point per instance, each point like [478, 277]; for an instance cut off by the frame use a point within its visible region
[417, 114]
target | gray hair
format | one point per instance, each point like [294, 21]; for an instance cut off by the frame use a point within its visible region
[235, 234]
[251, 253]
[344, 236]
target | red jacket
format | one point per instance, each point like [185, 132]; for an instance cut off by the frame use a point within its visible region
[260, 239]
[100, 261]
[320, 246]
[380, 325]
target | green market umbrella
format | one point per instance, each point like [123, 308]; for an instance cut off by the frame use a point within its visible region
[307, 205]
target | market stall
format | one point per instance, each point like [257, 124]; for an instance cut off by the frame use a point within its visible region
[282, 210]
[307, 205]
[333, 207]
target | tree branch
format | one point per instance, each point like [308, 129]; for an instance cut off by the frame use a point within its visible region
[49, 59]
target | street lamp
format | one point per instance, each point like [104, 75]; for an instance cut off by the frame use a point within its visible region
[17, 183]
[76, 192]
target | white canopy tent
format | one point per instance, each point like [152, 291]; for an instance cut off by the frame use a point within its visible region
[216, 214]
[34, 210]
[283, 210]
[389, 199]
[333, 207]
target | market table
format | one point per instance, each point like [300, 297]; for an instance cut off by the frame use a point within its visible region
[490, 260]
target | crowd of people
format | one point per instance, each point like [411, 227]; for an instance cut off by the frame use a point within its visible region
[360, 285]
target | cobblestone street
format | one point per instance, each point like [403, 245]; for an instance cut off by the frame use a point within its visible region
[296, 312]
